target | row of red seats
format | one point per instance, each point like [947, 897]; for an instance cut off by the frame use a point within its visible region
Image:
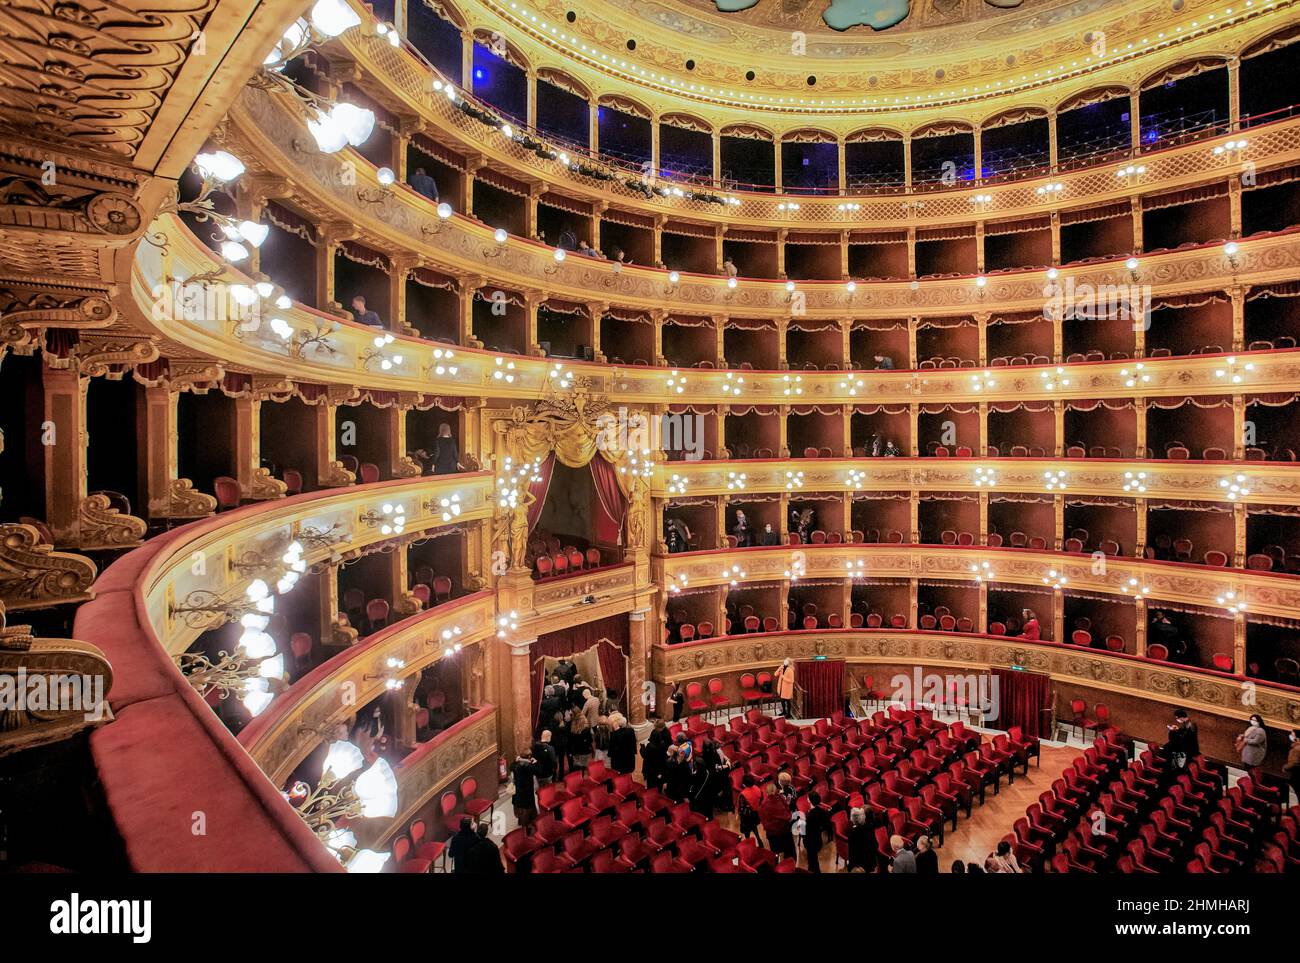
[562, 563]
[413, 853]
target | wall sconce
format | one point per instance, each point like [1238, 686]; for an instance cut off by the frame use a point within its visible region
[733, 384]
[1132, 266]
[1134, 587]
[677, 583]
[375, 353]
[1232, 603]
[507, 623]
[851, 287]
[441, 366]
[254, 672]
[319, 538]
[983, 572]
[985, 478]
[852, 386]
[1234, 487]
[733, 575]
[856, 568]
[1232, 251]
[1234, 372]
[981, 202]
[787, 207]
[446, 508]
[1135, 482]
[219, 170]
[789, 292]
[1054, 481]
[849, 207]
[560, 377]
[1131, 379]
[1054, 379]
[677, 485]
[1131, 174]
[1230, 150]
[340, 798]
[444, 213]
[392, 678]
[981, 283]
[676, 382]
[674, 279]
[793, 480]
[504, 371]
[979, 382]
[449, 637]
[1055, 579]
[391, 519]
[857, 479]
[557, 258]
[500, 237]
[736, 481]
[386, 179]
[793, 385]
[1050, 191]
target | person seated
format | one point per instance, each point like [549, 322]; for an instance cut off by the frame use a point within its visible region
[891, 450]
[568, 240]
[884, 362]
[424, 185]
[769, 537]
[1030, 630]
[362, 315]
[729, 266]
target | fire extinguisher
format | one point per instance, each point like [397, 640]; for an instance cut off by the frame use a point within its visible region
[502, 773]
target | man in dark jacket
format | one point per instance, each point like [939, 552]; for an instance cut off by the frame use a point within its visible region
[544, 754]
[817, 830]
[769, 537]
[1184, 743]
[484, 858]
[466, 838]
[424, 185]
[363, 315]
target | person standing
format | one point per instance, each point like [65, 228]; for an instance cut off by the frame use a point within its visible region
[1253, 744]
[862, 841]
[362, 315]
[484, 858]
[464, 840]
[446, 454]
[774, 815]
[1291, 768]
[927, 860]
[424, 185]
[677, 775]
[622, 744]
[817, 830]
[544, 756]
[748, 802]
[677, 700]
[741, 531]
[654, 754]
[1184, 742]
[524, 799]
[579, 741]
[784, 681]
[903, 861]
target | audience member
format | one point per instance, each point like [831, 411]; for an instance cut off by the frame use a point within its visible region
[748, 802]
[1030, 629]
[958, 867]
[1253, 743]
[891, 450]
[1184, 743]
[654, 754]
[729, 267]
[361, 315]
[784, 683]
[446, 454]
[741, 531]
[677, 775]
[817, 831]
[484, 858]
[927, 860]
[544, 756]
[622, 744]
[862, 840]
[1002, 861]
[884, 362]
[677, 700]
[903, 861]
[774, 815]
[465, 839]
[525, 795]
[424, 185]
[769, 537]
[580, 741]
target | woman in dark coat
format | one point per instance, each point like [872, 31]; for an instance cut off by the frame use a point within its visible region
[862, 840]
[622, 744]
[677, 776]
[654, 754]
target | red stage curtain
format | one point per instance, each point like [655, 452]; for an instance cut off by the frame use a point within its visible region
[822, 681]
[538, 490]
[579, 639]
[1022, 697]
[610, 502]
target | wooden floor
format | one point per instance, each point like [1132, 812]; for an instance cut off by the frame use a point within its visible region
[973, 839]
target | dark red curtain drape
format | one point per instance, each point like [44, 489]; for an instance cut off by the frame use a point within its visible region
[1022, 697]
[579, 639]
[822, 681]
[538, 490]
[610, 503]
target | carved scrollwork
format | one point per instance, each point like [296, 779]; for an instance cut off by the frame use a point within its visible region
[103, 526]
[407, 468]
[336, 476]
[33, 575]
[108, 357]
[262, 486]
[182, 501]
[53, 308]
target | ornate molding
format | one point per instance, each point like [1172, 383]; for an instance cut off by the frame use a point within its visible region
[262, 486]
[33, 575]
[99, 525]
[182, 501]
[1221, 695]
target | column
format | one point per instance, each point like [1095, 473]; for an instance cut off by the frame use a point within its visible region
[717, 158]
[1140, 412]
[979, 247]
[782, 328]
[979, 153]
[156, 427]
[720, 330]
[638, 658]
[1239, 427]
[1135, 205]
[914, 518]
[326, 248]
[912, 322]
[1140, 627]
[984, 518]
[982, 625]
[400, 269]
[1234, 96]
[781, 235]
[593, 125]
[1140, 510]
[907, 161]
[1052, 143]
[65, 454]
[520, 693]
[467, 60]
[982, 320]
[1056, 239]
[911, 251]
[531, 110]
[469, 285]
[1058, 616]
[846, 348]
[783, 436]
[777, 174]
[983, 445]
[914, 421]
[1135, 121]
[330, 473]
[1058, 428]
[246, 442]
[1058, 334]
[657, 317]
[400, 464]
[1058, 524]
[654, 144]
[1238, 295]
[841, 174]
[1234, 207]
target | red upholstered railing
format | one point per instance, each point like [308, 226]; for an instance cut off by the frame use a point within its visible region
[183, 793]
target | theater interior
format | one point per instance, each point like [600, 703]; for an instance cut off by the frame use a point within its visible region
[694, 436]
